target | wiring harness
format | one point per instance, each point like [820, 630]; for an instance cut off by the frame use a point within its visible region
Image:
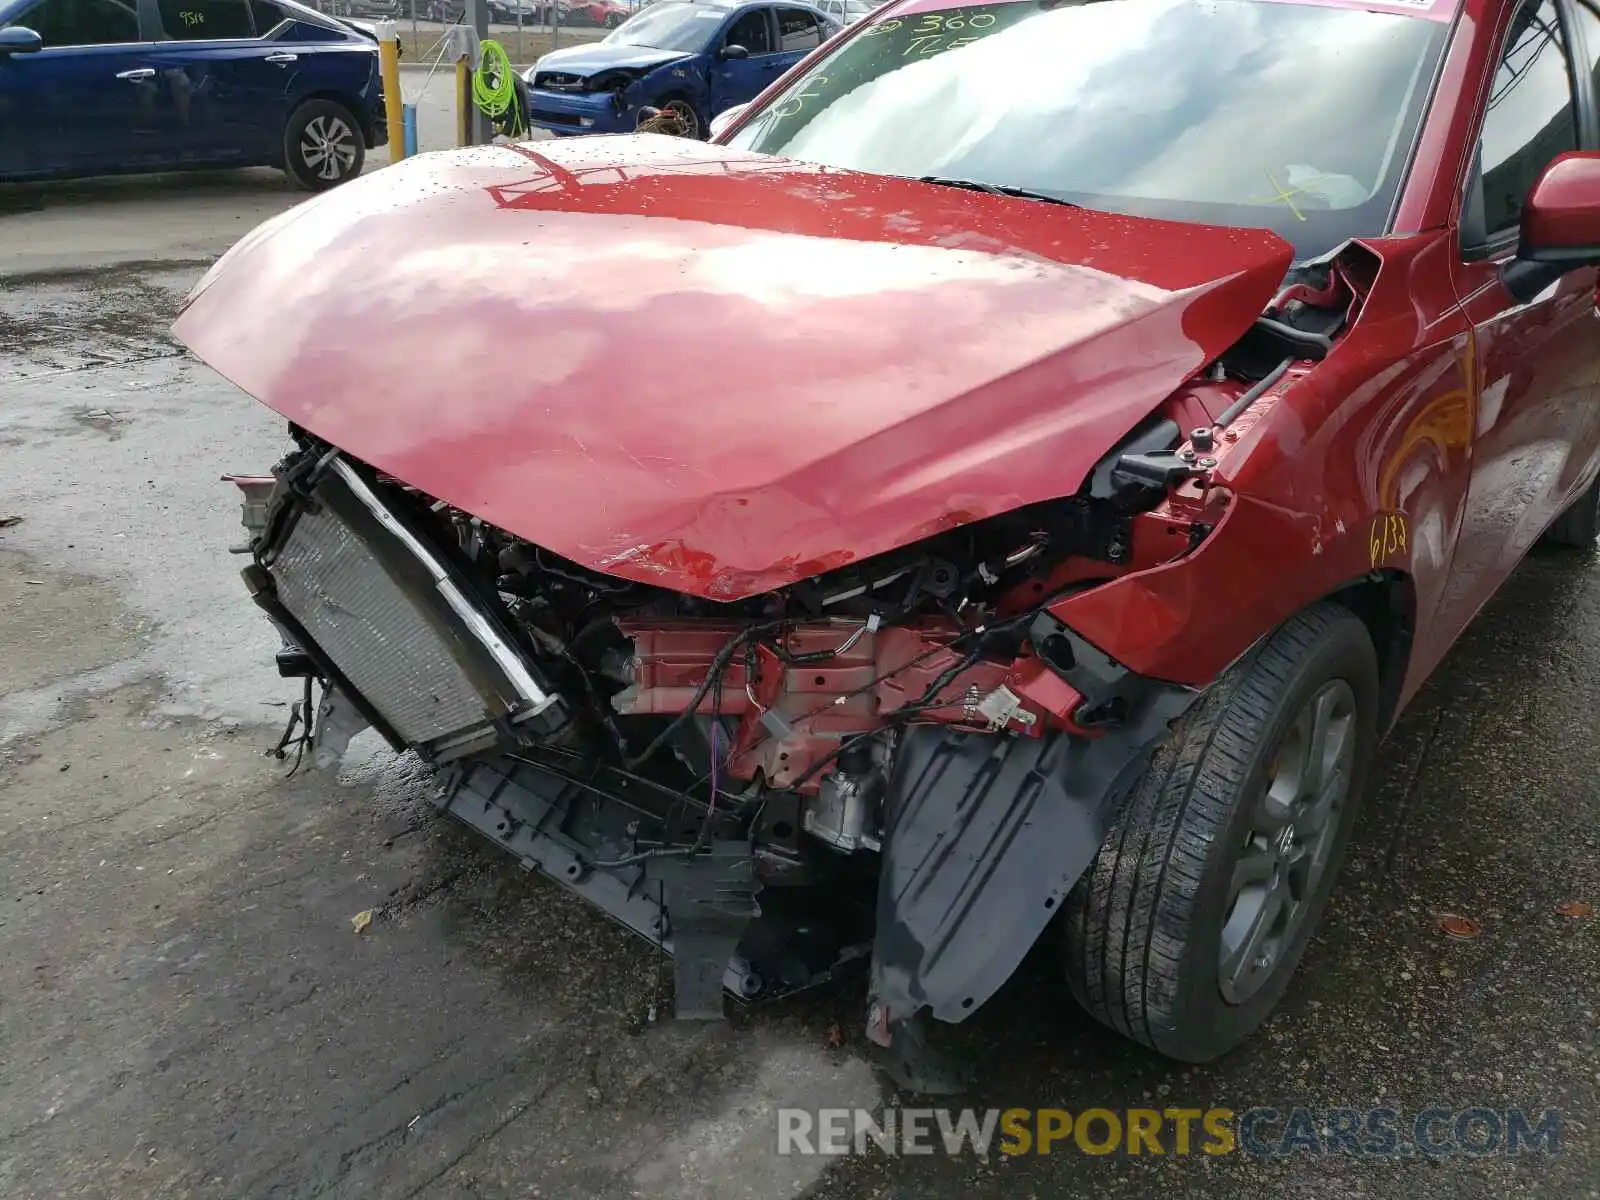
[972, 642]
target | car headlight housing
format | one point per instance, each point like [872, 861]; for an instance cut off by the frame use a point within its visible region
[611, 81]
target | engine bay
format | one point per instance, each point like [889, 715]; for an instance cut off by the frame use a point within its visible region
[776, 718]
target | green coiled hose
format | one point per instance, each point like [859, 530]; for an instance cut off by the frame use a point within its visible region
[494, 88]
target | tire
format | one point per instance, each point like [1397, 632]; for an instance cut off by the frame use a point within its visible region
[679, 103]
[1579, 526]
[1144, 927]
[323, 124]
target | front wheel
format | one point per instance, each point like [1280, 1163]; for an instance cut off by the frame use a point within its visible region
[1185, 931]
[322, 145]
[685, 114]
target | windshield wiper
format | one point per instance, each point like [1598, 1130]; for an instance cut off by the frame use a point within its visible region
[995, 189]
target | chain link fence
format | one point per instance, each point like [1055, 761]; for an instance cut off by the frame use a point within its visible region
[527, 28]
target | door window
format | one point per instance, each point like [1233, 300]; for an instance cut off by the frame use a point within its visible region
[83, 22]
[798, 30]
[1529, 119]
[268, 16]
[751, 32]
[205, 20]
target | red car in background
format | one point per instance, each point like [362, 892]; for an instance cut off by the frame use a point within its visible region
[1008, 482]
[602, 14]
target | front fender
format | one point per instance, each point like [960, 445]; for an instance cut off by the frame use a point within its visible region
[689, 78]
[1189, 619]
[1356, 465]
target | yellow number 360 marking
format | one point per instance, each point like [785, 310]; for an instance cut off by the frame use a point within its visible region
[1387, 538]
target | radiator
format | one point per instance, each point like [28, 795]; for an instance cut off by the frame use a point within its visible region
[401, 646]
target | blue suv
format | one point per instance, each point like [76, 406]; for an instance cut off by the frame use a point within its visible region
[692, 59]
[96, 87]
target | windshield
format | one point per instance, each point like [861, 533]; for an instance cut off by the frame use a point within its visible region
[686, 27]
[1295, 118]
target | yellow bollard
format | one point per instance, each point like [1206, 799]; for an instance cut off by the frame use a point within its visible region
[389, 63]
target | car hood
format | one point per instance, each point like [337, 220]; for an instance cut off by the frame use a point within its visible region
[710, 370]
[584, 61]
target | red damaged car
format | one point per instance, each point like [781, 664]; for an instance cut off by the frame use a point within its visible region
[1004, 487]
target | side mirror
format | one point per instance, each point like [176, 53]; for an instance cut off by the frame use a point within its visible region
[734, 52]
[1560, 225]
[725, 118]
[19, 39]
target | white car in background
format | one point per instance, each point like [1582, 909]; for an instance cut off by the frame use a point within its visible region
[846, 12]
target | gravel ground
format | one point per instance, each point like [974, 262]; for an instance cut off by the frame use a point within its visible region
[186, 1010]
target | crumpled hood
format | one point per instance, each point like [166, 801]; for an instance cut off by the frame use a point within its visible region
[714, 371]
[584, 61]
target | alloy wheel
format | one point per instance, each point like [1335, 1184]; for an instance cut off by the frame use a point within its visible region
[1291, 836]
[328, 147]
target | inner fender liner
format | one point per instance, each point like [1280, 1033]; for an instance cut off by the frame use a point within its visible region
[986, 837]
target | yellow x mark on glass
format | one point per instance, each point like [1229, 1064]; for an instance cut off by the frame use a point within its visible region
[1286, 196]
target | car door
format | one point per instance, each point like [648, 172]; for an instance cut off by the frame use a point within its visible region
[86, 95]
[223, 90]
[17, 110]
[735, 80]
[1537, 428]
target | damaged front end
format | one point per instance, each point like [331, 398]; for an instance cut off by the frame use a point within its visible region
[804, 647]
[905, 762]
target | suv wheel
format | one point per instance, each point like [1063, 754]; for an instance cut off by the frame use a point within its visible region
[323, 145]
[1185, 931]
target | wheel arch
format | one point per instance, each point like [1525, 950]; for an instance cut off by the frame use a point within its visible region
[1386, 603]
[687, 90]
[1188, 620]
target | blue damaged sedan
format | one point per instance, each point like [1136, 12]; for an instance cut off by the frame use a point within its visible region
[691, 59]
[99, 87]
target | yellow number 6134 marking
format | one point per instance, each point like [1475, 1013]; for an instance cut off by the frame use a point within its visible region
[1387, 537]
